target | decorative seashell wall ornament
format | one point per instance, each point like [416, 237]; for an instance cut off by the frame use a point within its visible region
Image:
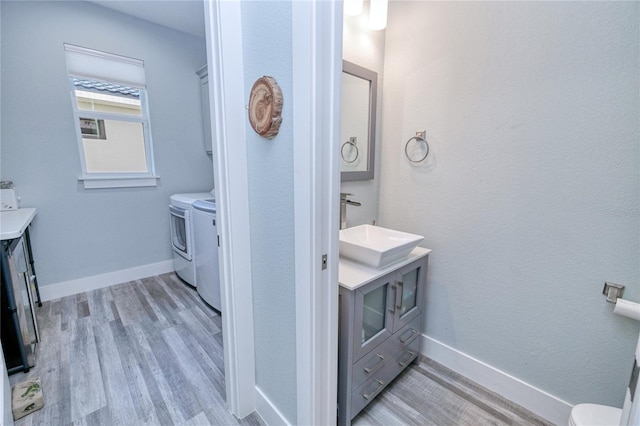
[265, 107]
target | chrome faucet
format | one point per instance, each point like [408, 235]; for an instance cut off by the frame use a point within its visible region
[343, 208]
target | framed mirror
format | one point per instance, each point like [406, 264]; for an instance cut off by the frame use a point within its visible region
[358, 132]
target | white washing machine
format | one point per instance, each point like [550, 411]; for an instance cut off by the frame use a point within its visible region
[206, 252]
[181, 222]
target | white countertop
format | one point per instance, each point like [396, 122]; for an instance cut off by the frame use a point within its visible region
[14, 222]
[352, 275]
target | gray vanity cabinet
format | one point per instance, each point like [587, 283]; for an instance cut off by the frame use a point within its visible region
[380, 326]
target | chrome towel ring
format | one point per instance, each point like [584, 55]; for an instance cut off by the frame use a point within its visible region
[419, 137]
[351, 142]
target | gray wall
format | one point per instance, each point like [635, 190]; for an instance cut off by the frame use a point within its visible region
[530, 197]
[78, 232]
[267, 50]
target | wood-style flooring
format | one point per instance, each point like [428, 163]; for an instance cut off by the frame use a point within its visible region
[149, 352]
[431, 394]
[146, 352]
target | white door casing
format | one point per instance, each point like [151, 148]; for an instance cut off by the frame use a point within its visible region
[223, 26]
[317, 67]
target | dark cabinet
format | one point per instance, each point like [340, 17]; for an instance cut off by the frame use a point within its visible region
[19, 296]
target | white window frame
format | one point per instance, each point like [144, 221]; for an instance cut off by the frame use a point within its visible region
[83, 63]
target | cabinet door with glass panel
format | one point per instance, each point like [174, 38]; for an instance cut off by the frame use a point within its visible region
[373, 315]
[408, 294]
[385, 305]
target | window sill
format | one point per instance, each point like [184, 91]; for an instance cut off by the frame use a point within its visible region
[98, 182]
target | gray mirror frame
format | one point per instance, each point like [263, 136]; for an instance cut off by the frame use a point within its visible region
[372, 77]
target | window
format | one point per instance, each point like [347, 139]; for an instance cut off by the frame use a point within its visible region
[112, 121]
[92, 128]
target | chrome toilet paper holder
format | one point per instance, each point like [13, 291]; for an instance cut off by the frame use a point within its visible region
[613, 291]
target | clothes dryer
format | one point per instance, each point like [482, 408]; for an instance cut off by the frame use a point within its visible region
[206, 252]
[181, 222]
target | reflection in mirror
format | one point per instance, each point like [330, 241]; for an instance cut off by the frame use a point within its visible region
[357, 144]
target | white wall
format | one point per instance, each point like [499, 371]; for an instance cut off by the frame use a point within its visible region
[77, 232]
[365, 48]
[267, 50]
[529, 199]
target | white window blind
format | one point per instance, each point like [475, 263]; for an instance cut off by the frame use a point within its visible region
[96, 65]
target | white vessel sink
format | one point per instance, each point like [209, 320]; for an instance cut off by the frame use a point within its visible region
[376, 246]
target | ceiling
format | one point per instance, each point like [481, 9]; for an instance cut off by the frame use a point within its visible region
[182, 15]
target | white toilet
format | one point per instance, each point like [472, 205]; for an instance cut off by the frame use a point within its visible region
[604, 415]
[595, 415]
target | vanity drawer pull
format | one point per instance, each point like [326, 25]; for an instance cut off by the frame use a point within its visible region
[375, 366]
[408, 360]
[410, 334]
[368, 396]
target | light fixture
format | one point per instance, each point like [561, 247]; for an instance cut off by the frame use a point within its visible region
[353, 7]
[378, 14]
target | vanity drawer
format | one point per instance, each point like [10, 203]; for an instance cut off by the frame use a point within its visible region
[372, 387]
[368, 365]
[405, 335]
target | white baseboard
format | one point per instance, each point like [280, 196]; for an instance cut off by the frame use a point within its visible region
[533, 399]
[68, 288]
[269, 413]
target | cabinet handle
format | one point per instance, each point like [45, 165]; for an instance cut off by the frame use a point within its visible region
[392, 309]
[368, 396]
[399, 299]
[404, 363]
[374, 366]
[411, 332]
